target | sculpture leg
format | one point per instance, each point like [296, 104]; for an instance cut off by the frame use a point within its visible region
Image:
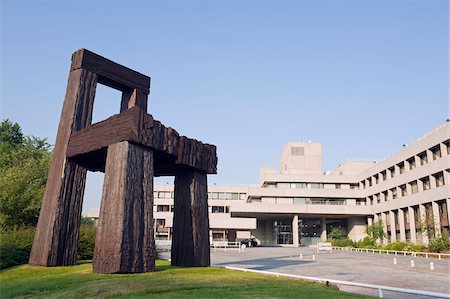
[57, 232]
[190, 243]
[125, 240]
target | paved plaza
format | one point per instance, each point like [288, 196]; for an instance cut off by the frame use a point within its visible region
[346, 266]
[340, 265]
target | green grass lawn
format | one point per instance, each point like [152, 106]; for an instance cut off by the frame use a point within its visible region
[167, 282]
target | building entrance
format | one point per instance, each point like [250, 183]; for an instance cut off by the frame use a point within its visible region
[283, 231]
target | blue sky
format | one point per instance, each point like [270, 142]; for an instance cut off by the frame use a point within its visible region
[361, 77]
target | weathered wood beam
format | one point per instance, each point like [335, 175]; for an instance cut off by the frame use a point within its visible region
[190, 241]
[57, 231]
[197, 155]
[139, 127]
[125, 237]
[134, 98]
[119, 127]
[110, 73]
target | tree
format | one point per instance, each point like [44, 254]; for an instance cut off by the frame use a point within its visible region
[376, 231]
[427, 226]
[10, 132]
[24, 162]
[85, 220]
[337, 234]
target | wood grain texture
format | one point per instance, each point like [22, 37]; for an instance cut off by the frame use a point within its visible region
[134, 98]
[110, 73]
[125, 240]
[190, 241]
[57, 231]
[131, 148]
[136, 126]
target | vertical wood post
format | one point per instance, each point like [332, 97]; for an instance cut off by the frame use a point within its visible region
[125, 238]
[57, 231]
[190, 244]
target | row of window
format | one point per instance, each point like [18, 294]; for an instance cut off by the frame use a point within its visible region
[300, 200]
[227, 195]
[412, 187]
[214, 209]
[422, 158]
[211, 195]
[310, 186]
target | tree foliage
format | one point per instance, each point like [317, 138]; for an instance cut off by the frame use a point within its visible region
[24, 162]
[337, 234]
[375, 231]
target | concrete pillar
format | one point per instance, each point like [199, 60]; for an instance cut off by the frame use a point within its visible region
[190, 244]
[432, 182]
[420, 185]
[125, 241]
[384, 220]
[295, 231]
[376, 218]
[412, 225]
[446, 177]
[429, 156]
[437, 220]
[393, 229]
[401, 224]
[323, 226]
[448, 208]
[443, 148]
[369, 220]
[423, 217]
[408, 189]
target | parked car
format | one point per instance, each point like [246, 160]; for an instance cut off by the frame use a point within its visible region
[249, 243]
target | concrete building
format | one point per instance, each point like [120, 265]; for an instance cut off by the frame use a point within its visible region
[299, 204]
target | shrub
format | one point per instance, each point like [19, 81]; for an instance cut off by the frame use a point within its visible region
[414, 247]
[337, 233]
[342, 242]
[439, 244]
[15, 246]
[400, 246]
[367, 242]
[87, 242]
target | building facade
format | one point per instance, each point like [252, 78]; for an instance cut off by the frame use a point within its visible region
[299, 204]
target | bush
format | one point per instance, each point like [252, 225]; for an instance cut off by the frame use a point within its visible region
[439, 244]
[414, 247]
[399, 246]
[343, 242]
[337, 234]
[15, 246]
[404, 246]
[87, 242]
[367, 242]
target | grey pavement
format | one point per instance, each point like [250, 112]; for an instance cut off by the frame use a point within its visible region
[347, 266]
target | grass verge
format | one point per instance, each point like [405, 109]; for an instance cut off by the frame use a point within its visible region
[167, 282]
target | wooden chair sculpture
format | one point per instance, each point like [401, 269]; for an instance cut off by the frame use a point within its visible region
[130, 148]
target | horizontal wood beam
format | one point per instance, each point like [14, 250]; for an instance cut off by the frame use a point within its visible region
[110, 73]
[135, 126]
